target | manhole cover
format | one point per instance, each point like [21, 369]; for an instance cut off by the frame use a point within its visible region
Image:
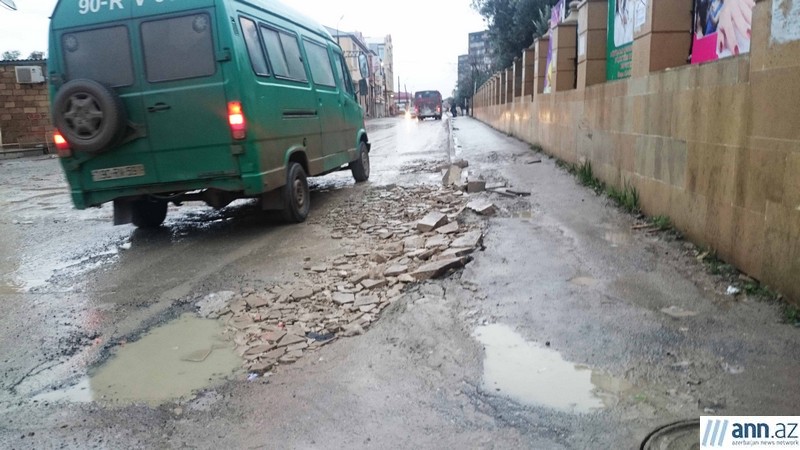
[684, 435]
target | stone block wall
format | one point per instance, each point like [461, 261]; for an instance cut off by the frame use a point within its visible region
[716, 147]
[24, 108]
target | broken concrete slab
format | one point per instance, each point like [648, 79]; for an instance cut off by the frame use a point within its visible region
[273, 336]
[406, 278]
[359, 277]
[456, 252]
[431, 222]
[291, 339]
[450, 228]
[469, 240]
[482, 207]
[365, 300]
[438, 268]
[302, 294]
[373, 284]
[437, 241]
[475, 186]
[396, 270]
[452, 176]
[342, 298]
[413, 243]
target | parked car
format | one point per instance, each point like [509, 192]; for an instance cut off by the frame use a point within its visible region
[209, 100]
[428, 104]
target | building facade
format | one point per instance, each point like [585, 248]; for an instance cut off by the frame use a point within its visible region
[480, 54]
[383, 49]
[25, 114]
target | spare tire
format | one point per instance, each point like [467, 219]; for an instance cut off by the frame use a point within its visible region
[89, 115]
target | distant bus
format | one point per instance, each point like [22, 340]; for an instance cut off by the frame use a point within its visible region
[428, 104]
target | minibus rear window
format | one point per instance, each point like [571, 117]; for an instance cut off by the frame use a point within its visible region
[178, 48]
[254, 47]
[102, 55]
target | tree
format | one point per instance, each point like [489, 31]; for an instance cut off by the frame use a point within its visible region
[513, 24]
[11, 55]
[36, 55]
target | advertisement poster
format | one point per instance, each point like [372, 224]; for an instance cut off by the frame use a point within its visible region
[721, 29]
[558, 16]
[785, 21]
[641, 15]
[621, 16]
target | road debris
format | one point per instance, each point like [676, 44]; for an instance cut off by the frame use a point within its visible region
[733, 291]
[394, 237]
[476, 185]
[431, 222]
[677, 312]
[482, 207]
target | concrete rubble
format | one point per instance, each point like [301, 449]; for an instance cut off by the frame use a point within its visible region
[391, 238]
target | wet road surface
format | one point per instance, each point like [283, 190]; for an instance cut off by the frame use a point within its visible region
[552, 338]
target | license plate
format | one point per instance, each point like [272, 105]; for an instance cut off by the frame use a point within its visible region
[117, 173]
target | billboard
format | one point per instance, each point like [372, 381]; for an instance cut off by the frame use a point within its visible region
[721, 29]
[621, 17]
[557, 16]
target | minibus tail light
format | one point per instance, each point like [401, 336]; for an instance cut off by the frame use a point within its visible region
[237, 121]
[62, 146]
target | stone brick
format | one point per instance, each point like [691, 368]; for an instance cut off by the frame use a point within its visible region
[432, 221]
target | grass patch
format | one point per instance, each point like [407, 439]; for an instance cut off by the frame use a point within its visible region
[663, 223]
[791, 314]
[586, 177]
[572, 169]
[717, 266]
[626, 198]
[537, 148]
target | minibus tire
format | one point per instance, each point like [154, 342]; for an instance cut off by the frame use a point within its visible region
[296, 195]
[361, 167]
[148, 213]
[89, 136]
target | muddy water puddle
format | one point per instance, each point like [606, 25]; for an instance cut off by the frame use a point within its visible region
[168, 363]
[534, 375]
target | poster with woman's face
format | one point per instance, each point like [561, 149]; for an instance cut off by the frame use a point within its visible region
[623, 22]
[721, 29]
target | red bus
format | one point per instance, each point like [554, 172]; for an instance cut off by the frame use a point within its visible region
[428, 104]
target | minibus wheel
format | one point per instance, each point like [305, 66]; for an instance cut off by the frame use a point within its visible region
[360, 167]
[89, 115]
[148, 213]
[296, 195]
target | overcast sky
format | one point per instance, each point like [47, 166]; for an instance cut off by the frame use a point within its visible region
[428, 35]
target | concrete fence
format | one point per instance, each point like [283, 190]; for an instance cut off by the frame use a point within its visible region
[714, 146]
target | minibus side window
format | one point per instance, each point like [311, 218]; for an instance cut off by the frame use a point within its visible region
[345, 72]
[320, 64]
[178, 48]
[284, 54]
[102, 55]
[254, 48]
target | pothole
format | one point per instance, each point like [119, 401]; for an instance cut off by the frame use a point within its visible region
[684, 435]
[169, 363]
[534, 375]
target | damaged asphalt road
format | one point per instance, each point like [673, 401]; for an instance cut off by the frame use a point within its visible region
[567, 329]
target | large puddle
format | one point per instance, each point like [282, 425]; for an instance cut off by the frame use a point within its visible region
[169, 363]
[538, 376]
